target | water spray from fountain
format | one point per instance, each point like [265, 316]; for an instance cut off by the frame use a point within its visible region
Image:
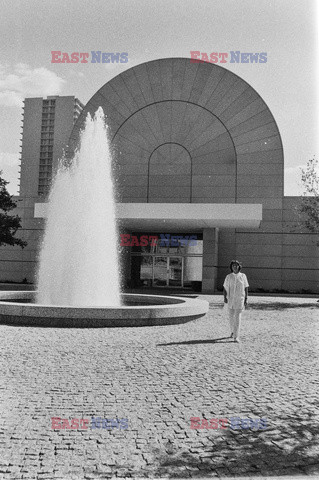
[79, 264]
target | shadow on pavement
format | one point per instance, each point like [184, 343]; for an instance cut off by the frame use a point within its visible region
[287, 448]
[194, 342]
[280, 306]
[270, 306]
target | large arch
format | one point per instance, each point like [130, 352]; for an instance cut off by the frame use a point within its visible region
[216, 116]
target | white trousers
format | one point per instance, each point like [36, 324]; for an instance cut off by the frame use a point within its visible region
[234, 321]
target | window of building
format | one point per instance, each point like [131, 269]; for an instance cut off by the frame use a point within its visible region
[161, 265]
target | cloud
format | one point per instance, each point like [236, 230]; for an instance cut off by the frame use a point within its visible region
[9, 164]
[27, 82]
[74, 73]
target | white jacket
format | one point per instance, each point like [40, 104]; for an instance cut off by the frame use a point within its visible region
[235, 284]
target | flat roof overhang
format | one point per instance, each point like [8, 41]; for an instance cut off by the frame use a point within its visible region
[178, 217]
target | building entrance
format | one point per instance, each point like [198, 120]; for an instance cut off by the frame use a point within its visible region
[167, 271]
[167, 266]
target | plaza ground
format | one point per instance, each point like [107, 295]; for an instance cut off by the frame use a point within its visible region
[158, 378]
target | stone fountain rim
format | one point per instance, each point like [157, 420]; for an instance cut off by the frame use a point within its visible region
[176, 310]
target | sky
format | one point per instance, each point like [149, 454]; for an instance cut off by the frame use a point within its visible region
[148, 30]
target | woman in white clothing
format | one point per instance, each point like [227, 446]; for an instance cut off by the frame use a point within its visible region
[235, 295]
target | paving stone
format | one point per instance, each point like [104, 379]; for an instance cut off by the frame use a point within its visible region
[158, 378]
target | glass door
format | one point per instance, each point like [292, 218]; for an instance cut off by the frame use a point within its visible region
[146, 270]
[168, 267]
[160, 271]
[167, 271]
[175, 271]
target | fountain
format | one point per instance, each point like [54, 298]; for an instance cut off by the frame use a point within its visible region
[78, 277]
[79, 258]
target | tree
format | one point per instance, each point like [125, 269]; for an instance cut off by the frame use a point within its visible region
[9, 224]
[309, 206]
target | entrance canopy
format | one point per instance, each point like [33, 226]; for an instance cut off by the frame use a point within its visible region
[181, 216]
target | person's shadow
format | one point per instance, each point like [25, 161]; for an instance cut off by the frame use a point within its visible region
[195, 342]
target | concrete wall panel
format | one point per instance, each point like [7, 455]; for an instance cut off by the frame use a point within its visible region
[307, 263]
[268, 203]
[212, 169]
[133, 180]
[258, 238]
[216, 76]
[243, 108]
[271, 215]
[300, 286]
[299, 251]
[213, 191]
[259, 250]
[170, 192]
[222, 90]
[263, 159]
[262, 132]
[167, 180]
[265, 144]
[260, 181]
[223, 157]
[268, 262]
[213, 199]
[253, 191]
[248, 169]
[213, 180]
[301, 239]
[259, 120]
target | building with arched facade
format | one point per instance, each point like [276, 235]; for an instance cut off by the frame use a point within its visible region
[196, 152]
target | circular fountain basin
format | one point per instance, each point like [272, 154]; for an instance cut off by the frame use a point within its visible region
[16, 308]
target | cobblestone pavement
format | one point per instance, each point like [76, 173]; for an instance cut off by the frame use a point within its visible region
[158, 378]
